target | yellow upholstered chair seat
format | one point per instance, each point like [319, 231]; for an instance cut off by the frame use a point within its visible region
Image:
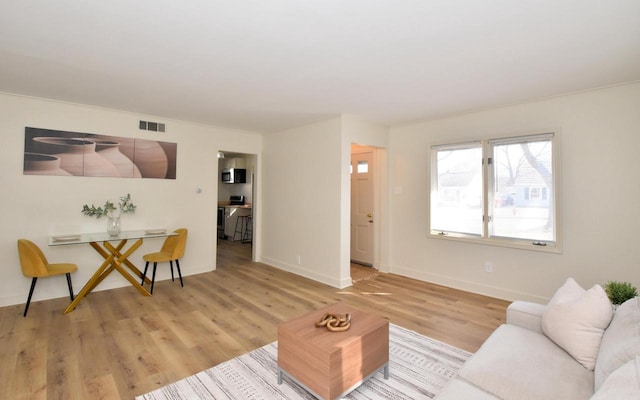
[35, 265]
[161, 256]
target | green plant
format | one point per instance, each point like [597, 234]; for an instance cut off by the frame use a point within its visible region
[619, 292]
[126, 206]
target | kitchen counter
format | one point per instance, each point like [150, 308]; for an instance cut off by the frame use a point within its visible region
[230, 214]
[226, 204]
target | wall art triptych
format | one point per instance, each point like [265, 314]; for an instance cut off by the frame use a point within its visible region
[51, 152]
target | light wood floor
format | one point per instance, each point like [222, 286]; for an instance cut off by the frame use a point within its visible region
[118, 344]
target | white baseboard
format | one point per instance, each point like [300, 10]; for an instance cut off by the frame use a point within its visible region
[469, 286]
[327, 280]
[452, 282]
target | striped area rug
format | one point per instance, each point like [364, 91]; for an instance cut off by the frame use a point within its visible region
[418, 369]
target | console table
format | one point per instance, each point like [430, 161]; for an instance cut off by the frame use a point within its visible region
[116, 257]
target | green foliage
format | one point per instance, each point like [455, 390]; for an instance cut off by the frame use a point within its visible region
[619, 292]
[126, 206]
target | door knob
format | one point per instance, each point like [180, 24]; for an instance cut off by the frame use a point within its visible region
[369, 215]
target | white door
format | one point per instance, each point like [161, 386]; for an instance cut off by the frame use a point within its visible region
[362, 218]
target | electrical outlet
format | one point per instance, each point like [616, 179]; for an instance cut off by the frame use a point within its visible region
[488, 266]
[299, 260]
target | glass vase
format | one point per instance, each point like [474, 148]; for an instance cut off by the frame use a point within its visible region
[113, 226]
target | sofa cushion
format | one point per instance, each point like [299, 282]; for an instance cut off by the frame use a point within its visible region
[575, 319]
[620, 342]
[458, 389]
[622, 384]
[515, 363]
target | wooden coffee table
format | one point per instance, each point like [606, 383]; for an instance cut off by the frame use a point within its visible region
[331, 364]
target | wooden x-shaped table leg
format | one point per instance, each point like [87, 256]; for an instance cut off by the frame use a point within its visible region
[113, 259]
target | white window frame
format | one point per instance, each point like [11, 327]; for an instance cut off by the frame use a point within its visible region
[552, 246]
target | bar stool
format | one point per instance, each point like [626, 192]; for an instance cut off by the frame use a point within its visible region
[248, 231]
[241, 224]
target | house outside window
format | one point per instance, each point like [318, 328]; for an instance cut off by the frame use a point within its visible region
[499, 191]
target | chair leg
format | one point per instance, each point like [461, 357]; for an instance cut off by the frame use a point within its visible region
[70, 287]
[179, 273]
[153, 278]
[33, 285]
[171, 264]
[144, 274]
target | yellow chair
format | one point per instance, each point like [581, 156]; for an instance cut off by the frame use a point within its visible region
[35, 265]
[172, 250]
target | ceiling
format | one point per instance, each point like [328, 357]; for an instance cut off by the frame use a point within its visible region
[272, 65]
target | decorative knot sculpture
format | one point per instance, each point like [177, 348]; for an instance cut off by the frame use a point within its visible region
[335, 322]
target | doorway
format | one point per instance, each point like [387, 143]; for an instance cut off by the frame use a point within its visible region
[363, 222]
[236, 206]
[362, 205]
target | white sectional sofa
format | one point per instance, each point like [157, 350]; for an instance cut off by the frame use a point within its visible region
[520, 361]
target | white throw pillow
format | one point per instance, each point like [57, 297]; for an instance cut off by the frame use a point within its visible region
[622, 384]
[620, 342]
[575, 320]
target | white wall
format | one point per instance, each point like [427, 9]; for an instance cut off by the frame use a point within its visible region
[307, 197]
[600, 143]
[359, 131]
[37, 206]
[301, 199]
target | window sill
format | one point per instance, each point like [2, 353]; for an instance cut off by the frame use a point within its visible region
[553, 248]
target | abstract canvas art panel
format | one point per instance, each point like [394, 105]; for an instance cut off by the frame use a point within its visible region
[52, 152]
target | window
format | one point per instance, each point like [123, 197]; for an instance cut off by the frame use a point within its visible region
[363, 167]
[500, 191]
[457, 206]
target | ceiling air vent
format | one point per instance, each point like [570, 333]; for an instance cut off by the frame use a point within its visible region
[151, 126]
